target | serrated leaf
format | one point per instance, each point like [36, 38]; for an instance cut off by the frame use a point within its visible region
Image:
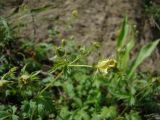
[108, 112]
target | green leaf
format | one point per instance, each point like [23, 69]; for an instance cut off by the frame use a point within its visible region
[108, 112]
[132, 100]
[121, 95]
[132, 116]
[64, 113]
[123, 56]
[143, 54]
[69, 89]
[123, 34]
[15, 117]
[129, 47]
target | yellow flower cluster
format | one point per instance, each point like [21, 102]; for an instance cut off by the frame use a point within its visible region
[24, 79]
[105, 65]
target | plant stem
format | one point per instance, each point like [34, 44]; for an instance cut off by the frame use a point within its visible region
[87, 66]
[50, 84]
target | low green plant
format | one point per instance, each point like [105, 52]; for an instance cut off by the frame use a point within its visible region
[152, 12]
[54, 82]
[152, 9]
[5, 43]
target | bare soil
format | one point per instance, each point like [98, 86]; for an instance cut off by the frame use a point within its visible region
[98, 20]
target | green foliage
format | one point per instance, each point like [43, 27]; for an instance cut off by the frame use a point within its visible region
[152, 9]
[54, 82]
[5, 33]
[123, 51]
[5, 45]
[143, 54]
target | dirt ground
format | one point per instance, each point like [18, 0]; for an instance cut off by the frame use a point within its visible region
[97, 20]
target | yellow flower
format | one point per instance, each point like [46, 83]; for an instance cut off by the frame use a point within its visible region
[105, 65]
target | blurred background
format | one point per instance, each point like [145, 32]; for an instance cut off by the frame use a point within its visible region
[85, 20]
